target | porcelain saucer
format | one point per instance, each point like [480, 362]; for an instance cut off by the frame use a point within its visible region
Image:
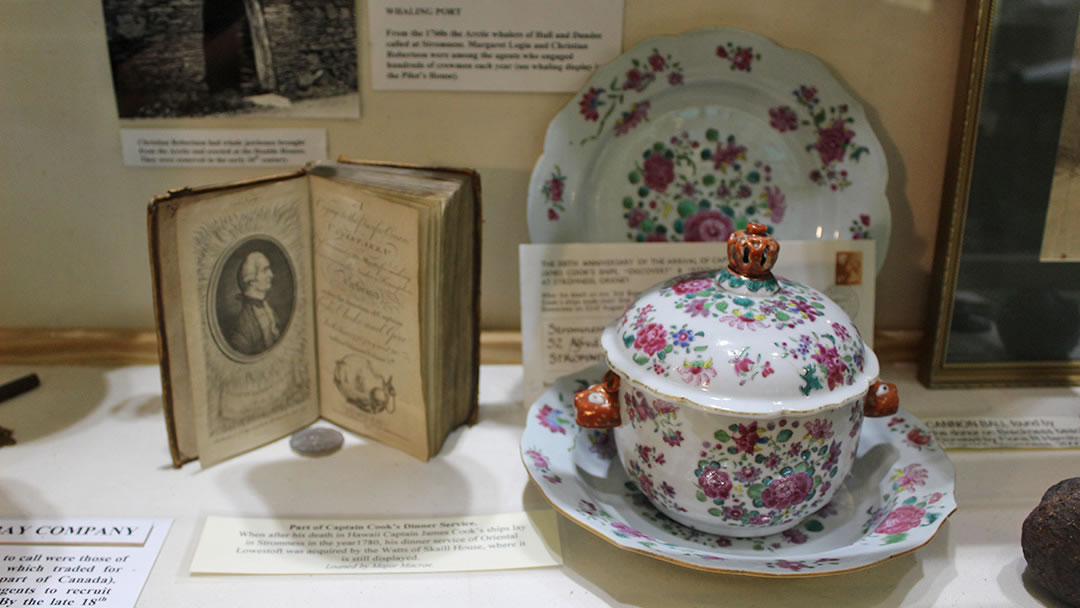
[898, 495]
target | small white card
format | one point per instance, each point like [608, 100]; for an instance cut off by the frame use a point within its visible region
[491, 45]
[77, 562]
[222, 147]
[1026, 432]
[232, 545]
[571, 292]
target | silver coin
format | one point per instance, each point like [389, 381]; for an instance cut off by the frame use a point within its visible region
[318, 441]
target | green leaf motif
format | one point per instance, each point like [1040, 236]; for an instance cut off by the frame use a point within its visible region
[755, 490]
[784, 435]
[814, 525]
[894, 538]
[716, 512]
[722, 436]
[640, 359]
[701, 496]
[628, 340]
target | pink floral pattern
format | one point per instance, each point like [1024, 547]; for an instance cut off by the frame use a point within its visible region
[760, 474]
[830, 361]
[541, 463]
[694, 188]
[739, 58]
[834, 142]
[599, 104]
[553, 194]
[749, 368]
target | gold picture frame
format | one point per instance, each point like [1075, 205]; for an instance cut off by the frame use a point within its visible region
[1001, 312]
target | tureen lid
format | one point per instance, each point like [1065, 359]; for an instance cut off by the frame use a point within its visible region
[740, 340]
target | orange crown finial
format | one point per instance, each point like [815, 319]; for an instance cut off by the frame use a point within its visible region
[752, 252]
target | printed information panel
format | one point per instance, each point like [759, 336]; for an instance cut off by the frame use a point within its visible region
[1027, 432]
[231, 545]
[77, 562]
[492, 45]
[222, 147]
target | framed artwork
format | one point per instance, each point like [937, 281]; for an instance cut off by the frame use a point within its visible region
[1005, 297]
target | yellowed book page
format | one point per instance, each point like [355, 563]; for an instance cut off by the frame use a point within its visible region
[367, 268]
[1061, 239]
[245, 268]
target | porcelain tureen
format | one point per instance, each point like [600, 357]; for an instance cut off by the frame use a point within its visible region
[736, 397]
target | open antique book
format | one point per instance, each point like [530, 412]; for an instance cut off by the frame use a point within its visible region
[347, 290]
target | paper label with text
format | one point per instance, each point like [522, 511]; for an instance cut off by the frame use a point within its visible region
[77, 562]
[492, 45]
[571, 292]
[231, 545]
[222, 147]
[1026, 432]
[68, 532]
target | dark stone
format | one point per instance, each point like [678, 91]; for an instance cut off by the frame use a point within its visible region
[7, 437]
[1050, 539]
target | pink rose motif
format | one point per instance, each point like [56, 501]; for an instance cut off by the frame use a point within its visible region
[552, 215]
[901, 519]
[787, 491]
[742, 59]
[743, 365]
[715, 483]
[721, 52]
[696, 308]
[865, 219]
[783, 119]
[936, 496]
[539, 461]
[691, 286]
[627, 530]
[767, 370]
[708, 225]
[657, 63]
[727, 154]
[637, 80]
[659, 172]
[636, 216]
[554, 189]
[652, 338]
[795, 536]
[914, 475]
[590, 104]
[675, 78]
[806, 95]
[793, 566]
[777, 203]
[832, 141]
[638, 112]
[819, 429]
[918, 437]
[697, 375]
[646, 485]
[746, 440]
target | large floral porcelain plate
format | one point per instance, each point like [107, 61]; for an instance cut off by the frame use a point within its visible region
[688, 138]
[899, 493]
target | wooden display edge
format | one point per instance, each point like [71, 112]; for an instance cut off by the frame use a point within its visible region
[106, 347]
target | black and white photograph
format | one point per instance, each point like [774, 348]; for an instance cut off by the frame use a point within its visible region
[263, 58]
[253, 298]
